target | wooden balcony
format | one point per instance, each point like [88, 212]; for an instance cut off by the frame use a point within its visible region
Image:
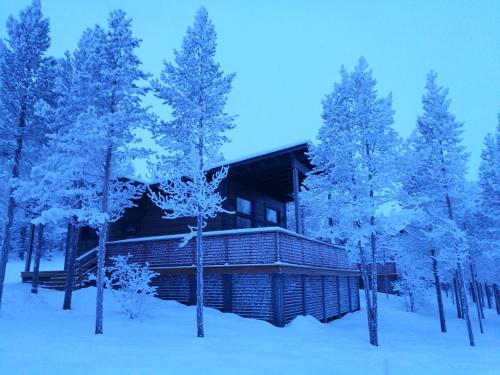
[265, 273]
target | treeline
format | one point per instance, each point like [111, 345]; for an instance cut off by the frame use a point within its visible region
[406, 201]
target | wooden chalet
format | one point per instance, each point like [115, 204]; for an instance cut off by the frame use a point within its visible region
[257, 261]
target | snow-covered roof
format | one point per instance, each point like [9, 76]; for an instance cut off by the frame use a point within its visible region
[260, 154]
[245, 158]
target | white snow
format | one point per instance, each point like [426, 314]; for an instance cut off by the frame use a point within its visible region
[38, 337]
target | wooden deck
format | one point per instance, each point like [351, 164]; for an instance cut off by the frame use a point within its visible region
[265, 273]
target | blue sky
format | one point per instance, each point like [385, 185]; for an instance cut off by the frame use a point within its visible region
[287, 55]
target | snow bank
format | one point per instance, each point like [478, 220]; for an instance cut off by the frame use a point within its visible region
[38, 337]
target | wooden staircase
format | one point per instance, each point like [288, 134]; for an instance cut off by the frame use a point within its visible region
[85, 266]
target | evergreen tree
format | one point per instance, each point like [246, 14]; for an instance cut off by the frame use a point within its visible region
[353, 170]
[24, 82]
[441, 179]
[108, 77]
[196, 89]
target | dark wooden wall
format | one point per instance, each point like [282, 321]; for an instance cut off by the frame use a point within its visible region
[146, 220]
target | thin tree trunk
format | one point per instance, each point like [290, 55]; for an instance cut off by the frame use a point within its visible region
[496, 293]
[101, 251]
[457, 297]
[199, 276]
[465, 305]
[488, 294]
[38, 257]
[74, 235]
[476, 293]
[29, 253]
[439, 296]
[374, 289]
[480, 294]
[366, 288]
[7, 234]
[22, 247]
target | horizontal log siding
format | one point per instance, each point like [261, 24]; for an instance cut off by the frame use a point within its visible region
[252, 296]
[249, 292]
[354, 286]
[299, 250]
[292, 297]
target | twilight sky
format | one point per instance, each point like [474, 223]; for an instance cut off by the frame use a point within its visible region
[287, 55]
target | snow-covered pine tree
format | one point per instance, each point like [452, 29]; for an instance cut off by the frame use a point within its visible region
[488, 211]
[107, 95]
[196, 89]
[414, 198]
[23, 83]
[442, 180]
[353, 170]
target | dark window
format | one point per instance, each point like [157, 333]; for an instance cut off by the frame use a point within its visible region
[243, 206]
[243, 222]
[244, 213]
[271, 216]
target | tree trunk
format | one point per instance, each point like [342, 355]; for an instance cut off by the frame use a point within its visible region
[465, 305]
[29, 251]
[101, 251]
[199, 276]
[457, 298]
[439, 296]
[38, 257]
[74, 234]
[488, 295]
[22, 247]
[4, 255]
[480, 294]
[496, 293]
[374, 290]
[475, 292]
[366, 288]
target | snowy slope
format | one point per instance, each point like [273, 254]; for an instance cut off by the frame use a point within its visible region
[37, 337]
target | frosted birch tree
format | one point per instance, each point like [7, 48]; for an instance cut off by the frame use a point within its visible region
[353, 171]
[196, 89]
[24, 81]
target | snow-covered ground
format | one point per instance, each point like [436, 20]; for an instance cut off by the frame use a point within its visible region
[38, 337]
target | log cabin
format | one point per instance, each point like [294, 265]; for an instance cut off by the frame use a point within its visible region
[257, 261]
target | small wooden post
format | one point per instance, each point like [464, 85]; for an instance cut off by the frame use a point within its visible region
[279, 311]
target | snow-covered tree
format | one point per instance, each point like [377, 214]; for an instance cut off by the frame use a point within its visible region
[440, 181]
[353, 172]
[130, 284]
[196, 89]
[117, 111]
[24, 82]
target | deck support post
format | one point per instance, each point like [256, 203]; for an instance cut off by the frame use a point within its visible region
[349, 291]
[279, 311]
[228, 292]
[296, 200]
[325, 317]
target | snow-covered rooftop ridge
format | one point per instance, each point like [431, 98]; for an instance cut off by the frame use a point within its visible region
[222, 232]
[258, 154]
